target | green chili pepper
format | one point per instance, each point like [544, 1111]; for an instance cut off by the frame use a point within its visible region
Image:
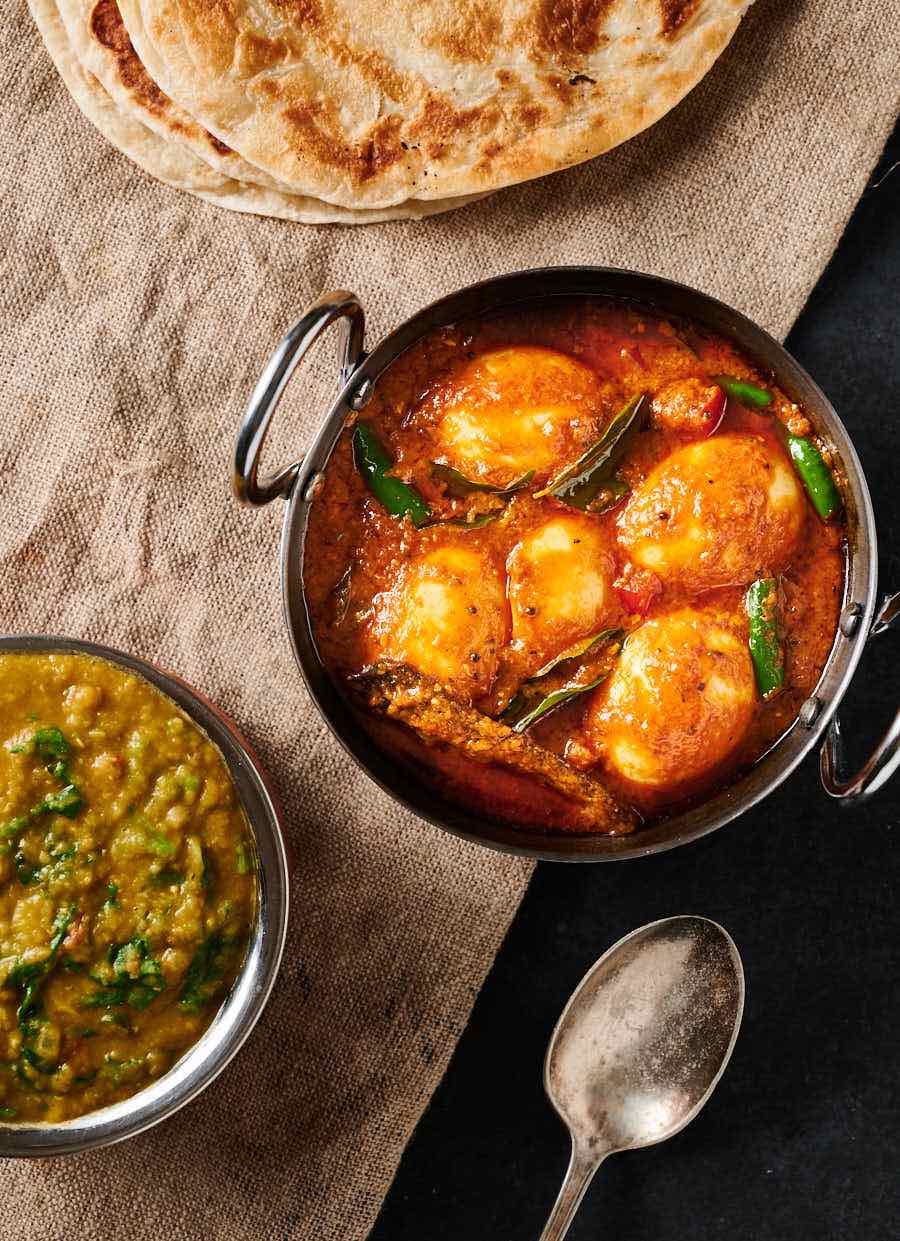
[373, 462]
[765, 641]
[815, 476]
[591, 479]
[458, 485]
[743, 391]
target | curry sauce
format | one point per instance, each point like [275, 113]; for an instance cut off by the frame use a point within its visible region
[127, 884]
[595, 528]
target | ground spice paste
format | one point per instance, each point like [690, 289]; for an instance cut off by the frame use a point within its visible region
[577, 564]
[127, 884]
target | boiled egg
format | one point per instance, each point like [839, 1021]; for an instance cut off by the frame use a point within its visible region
[512, 410]
[559, 585]
[677, 704]
[446, 616]
[715, 513]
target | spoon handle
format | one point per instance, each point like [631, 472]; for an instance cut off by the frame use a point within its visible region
[578, 1176]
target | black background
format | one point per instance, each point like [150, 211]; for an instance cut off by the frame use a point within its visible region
[801, 1137]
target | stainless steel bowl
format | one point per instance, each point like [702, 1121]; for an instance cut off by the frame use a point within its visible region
[247, 998]
[297, 485]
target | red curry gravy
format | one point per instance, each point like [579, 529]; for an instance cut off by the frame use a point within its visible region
[484, 583]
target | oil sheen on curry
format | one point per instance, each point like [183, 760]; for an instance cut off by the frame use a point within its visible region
[127, 884]
[579, 566]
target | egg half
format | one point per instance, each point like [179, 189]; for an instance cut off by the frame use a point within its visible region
[559, 586]
[447, 617]
[512, 410]
[719, 512]
[678, 703]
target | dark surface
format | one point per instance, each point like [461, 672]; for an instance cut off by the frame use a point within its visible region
[801, 1138]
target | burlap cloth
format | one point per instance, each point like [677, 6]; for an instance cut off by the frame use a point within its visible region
[135, 320]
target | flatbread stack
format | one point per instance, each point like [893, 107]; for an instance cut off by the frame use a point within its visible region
[355, 111]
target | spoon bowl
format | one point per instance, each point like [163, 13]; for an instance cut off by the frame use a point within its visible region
[641, 1044]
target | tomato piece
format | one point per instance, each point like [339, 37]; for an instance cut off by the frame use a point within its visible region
[77, 933]
[689, 405]
[637, 589]
[714, 410]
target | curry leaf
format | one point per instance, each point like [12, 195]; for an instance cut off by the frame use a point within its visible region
[458, 485]
[579, 650]
[530, 715]
[588, 480]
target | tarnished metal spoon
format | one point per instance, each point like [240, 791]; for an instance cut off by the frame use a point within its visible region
[641, 1044]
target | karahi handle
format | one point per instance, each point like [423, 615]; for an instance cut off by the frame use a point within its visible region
[885, 759]
[340, 306]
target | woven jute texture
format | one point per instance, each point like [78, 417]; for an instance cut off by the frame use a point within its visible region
[135, 320]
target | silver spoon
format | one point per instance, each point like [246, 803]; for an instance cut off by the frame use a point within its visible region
[640, 1046]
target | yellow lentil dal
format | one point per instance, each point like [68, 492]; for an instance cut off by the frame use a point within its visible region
[127, 884]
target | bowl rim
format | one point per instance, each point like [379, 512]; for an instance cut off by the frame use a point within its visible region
[242, 1007]
[585, 282]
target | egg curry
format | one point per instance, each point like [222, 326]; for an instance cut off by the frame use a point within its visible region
[127, 884]
[577, 566]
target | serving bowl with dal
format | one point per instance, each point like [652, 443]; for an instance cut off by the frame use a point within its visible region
[143, 894]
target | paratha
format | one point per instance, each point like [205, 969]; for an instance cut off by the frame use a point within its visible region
[101, 42]
[367, 103]
[168, 163]
[161, 150]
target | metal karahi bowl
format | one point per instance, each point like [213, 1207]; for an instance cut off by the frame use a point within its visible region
[359, 371]
[243, 1005]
